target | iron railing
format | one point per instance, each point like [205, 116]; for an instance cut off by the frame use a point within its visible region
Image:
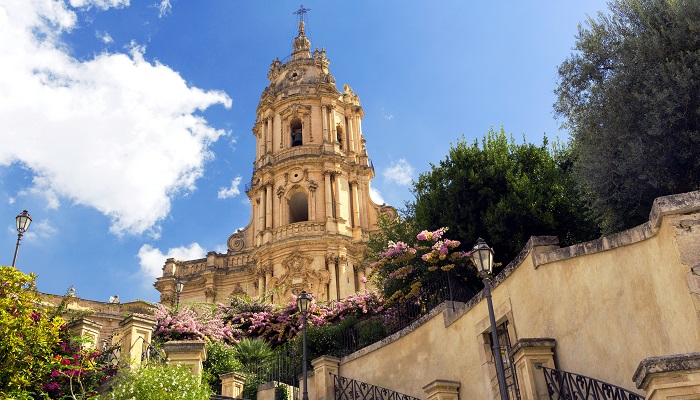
[563, 385]
[284, 367]
[396, 318]
[350, 389]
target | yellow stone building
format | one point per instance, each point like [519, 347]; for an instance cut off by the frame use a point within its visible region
[310, 197]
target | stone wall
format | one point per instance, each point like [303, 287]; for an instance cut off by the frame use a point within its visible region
[607, 304]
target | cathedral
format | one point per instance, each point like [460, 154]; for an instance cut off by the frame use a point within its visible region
[310, 197]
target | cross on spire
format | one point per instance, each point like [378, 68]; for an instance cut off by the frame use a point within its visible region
[301, 12]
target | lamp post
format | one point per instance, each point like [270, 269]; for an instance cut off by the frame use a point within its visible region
[23, 220]
[179, 285]
[482, 256]
[303, 302]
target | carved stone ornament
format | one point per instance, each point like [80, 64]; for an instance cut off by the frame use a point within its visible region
[209, 292]
[168, 298]
[238, 290]
[389, 211]
[280, 191]
[236, 242]
[294, 75]
[299, 276]
[313, 185]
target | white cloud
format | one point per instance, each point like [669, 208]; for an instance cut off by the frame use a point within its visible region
[376, 196]
[40, 229]
[233, 191]
[152, 259]
[164, 8]
[104, 37]
[222, 249]
[386, 115]
[400, 173]
[115, 132]
[11, 200]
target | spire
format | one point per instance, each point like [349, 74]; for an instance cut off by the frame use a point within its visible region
[301, 42]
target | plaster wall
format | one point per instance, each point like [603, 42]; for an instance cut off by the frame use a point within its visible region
[608, 304]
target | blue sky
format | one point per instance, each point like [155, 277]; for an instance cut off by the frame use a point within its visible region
[125, 129]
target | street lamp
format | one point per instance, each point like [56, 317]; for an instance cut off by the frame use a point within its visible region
[179, 285]
[23, 221]
[303, 302]
[482, 256]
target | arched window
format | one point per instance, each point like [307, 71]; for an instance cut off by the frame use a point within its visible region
[339, 130]
[295, 127]
[298, 208]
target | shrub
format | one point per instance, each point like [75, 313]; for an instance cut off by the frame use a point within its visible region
[29, 336]
[158, 382]
[221, 359]
[251, 352]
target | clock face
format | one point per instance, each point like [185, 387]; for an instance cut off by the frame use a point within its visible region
[295, 74]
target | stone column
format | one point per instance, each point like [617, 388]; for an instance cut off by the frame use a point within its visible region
[355, 204]
[669, 377]
[332, 287]
[261, 285]
[190, 353]
[351, 135]
[441, 389]
[329, 197]
[88, 330]
[263, 208]
[135, 331]
[268, 206]
[324, 366]
[527, 355]
[360, 278]
[268, 276]
[232, 384]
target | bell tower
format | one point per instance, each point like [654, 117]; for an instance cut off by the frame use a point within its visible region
[310, 197]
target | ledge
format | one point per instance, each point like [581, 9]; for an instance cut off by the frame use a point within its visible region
[532, 342]
[682, 203]
[184, 345]
[671, 363]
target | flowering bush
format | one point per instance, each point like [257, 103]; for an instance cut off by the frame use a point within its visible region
[186, 324]
[403, 268]
[158, 382]
[29, 336]
[278, 326]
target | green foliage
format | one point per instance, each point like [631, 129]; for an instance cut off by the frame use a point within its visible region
[370, 331]
[158, 382]
[29, 336]
[250, 387]
[503, 192]
[630, 96]
[252, 351]
[281, 392]
[221, 359]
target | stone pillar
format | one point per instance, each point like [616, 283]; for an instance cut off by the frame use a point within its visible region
[190, 353]
[329, 196]
[261, 285]
[527, 354]
[88, 330]
[263, 208]
[361, 277]
[669, 377]
[268, 206]
[232, 384]
[441, 389]
[135, 333]
[324, 366]
[333, 291]
[351, 136]
[354, 186]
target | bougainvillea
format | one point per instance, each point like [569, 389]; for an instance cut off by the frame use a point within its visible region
[278, 326]
[403, 268]
[29, 336]
[185, 323]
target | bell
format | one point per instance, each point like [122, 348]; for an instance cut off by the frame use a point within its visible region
[296, 138]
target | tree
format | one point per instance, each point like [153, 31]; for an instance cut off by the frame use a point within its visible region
[630, 96]
[504, 193]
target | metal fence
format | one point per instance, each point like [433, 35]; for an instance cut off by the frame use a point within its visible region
[563, 385]
[350, 389]
[371, 330]
[283, 368]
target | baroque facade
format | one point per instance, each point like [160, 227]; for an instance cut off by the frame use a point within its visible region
[311, 206]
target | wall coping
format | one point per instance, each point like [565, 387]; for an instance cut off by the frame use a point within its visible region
[231, 375]
[84, 322]
[670, 363]
[184, 345]
[442, 384]
[532, 342]
[681, 203]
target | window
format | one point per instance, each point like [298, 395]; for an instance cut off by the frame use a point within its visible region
[295, 127]
[339, 130]
[298, 208]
